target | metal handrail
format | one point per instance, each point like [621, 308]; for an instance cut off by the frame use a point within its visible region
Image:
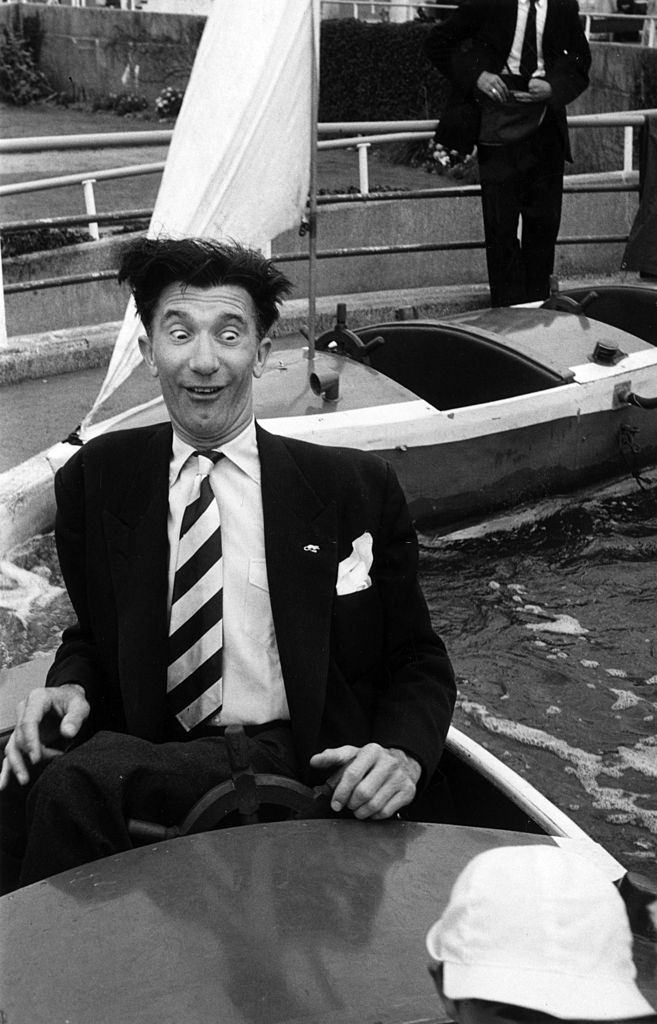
[17, 188]
[112, 217]
[323, 254]
[118, 140]
[571, 185]
[369, 132]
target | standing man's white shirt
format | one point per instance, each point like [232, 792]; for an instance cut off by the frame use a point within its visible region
[253, 688]
[513, 61]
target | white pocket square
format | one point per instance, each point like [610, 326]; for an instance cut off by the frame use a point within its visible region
[353, 571]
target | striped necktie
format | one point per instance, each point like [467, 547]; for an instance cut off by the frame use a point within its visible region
[529, 55]
[194, 687]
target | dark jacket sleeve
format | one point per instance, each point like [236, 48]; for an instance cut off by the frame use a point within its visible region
[77, 659]
[458, 50]
[415, 703]
[568, 62]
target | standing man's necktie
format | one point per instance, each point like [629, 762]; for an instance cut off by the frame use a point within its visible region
[529, 55]
[194, 687]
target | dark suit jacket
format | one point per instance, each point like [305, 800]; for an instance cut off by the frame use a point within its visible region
[357, 668]
[478, 37]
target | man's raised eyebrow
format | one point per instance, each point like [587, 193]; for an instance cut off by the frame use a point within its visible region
[175, 314]
[223, 318]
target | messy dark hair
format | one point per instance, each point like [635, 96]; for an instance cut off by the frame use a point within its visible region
[149, 265]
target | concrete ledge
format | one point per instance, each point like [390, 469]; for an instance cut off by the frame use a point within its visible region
[31, 356]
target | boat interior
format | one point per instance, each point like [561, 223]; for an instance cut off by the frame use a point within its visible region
[450, 367]
[490, 355]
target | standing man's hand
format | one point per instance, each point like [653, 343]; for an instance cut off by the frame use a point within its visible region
[372, 781]
[493, 87]
[538, 91]
[49, 715]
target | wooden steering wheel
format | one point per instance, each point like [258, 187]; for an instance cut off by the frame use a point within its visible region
[243, 793]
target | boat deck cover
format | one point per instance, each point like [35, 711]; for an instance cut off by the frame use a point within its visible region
[556, 340]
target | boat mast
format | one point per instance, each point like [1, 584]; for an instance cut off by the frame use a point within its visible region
[312, 190]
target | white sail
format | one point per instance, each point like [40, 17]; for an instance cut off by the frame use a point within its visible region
[239, 161]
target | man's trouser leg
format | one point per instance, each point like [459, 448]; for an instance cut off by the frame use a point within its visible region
[541, 202]
[500, 201]
[77, 810]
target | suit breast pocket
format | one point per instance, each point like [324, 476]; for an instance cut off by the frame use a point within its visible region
[358, 629]
[258, 622]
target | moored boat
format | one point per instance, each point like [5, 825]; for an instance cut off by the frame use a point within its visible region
[480, 411]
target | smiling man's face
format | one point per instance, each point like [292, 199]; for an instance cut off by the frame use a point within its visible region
[203, 345]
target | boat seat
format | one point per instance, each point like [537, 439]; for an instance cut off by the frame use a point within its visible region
[451, 368]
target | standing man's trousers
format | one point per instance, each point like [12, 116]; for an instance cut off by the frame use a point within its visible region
[522, 181]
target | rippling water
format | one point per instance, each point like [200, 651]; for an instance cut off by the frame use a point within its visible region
[552, 631]
[551, 627]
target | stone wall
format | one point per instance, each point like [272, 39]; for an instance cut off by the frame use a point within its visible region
[85, 51]
[623, 77]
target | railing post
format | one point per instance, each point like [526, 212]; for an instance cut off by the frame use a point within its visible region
[3, 317]
[363, 170]
[651, 32]
[90, 207]
[628, 148]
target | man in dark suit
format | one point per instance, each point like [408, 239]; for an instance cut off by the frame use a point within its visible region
[531, 52]
[222, 575]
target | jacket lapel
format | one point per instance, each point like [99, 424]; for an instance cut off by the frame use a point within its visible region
[302, 560]
[138, 554]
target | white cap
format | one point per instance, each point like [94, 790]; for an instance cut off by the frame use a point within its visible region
[537, 927]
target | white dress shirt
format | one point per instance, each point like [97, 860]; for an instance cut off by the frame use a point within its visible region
[513, 60]
[253, 689]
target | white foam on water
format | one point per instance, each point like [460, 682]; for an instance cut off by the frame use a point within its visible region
[587, 767]
[618, 673]
[566, 625]
[21, 590]
[532, 515]
[642, 757]
[624, 699]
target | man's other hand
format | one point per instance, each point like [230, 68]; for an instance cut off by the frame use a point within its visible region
[49, 715]
[538, 91]
[372, 781]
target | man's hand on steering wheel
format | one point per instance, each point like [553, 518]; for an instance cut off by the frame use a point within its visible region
[371, 781]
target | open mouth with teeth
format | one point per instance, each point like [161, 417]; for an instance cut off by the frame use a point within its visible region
[201, 391]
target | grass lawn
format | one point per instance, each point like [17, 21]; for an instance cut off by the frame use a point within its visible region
[337, 169]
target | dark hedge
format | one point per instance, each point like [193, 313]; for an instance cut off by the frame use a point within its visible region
[376, 73]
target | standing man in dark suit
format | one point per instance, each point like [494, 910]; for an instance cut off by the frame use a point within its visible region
[529, 52]
[221, 575]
